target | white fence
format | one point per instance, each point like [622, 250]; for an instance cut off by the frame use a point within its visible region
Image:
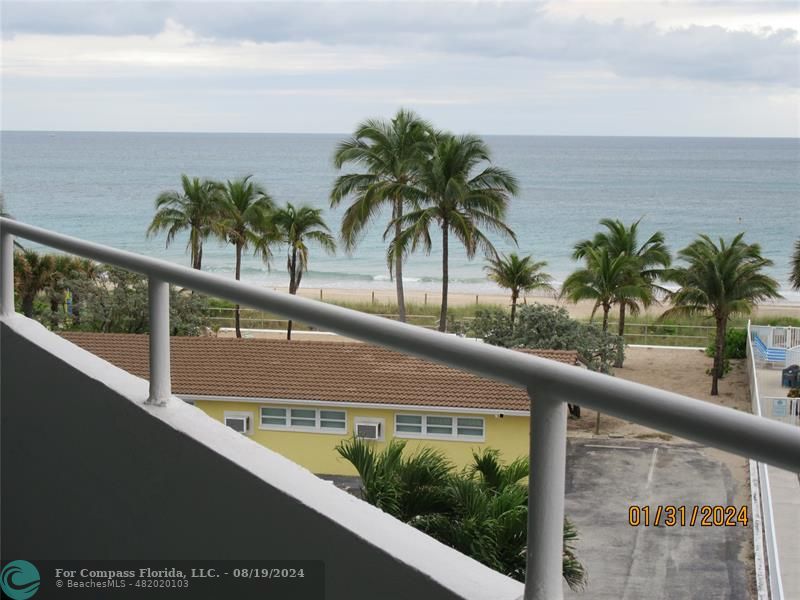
[781, 408]
[764, 540]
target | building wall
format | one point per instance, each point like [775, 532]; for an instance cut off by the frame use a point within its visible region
[317, 451]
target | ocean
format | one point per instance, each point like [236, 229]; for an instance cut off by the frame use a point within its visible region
[102, 187]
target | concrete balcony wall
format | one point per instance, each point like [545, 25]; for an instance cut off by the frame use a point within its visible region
[90, 472]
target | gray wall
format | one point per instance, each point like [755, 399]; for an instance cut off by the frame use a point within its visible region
[87, 475]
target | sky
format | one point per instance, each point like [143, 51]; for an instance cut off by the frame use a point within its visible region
[644, 67]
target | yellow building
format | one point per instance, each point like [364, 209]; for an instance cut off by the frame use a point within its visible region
[302, 398]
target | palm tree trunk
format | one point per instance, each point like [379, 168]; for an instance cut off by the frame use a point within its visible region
[199, 262]
[292, 286]
[606, 308]
[193, 246]
[719, 354]
[443, 313]
[514, 297]
[398, 264]
[621, 332]
[238, 273]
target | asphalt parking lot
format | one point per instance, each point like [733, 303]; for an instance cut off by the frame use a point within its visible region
[606, 477]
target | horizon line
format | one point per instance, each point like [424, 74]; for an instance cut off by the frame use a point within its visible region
[566, 135]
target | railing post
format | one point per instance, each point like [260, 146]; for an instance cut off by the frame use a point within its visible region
[548, 453]
[158, 291]
[6, 274]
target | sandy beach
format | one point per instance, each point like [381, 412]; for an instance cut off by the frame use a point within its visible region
[582, 310]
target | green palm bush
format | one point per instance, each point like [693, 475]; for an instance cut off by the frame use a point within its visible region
[481, 511]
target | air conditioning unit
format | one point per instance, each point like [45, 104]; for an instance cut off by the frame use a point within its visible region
[368, 431]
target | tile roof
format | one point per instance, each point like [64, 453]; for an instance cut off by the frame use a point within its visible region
[309, 370]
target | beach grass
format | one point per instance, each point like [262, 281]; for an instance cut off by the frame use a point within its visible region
[645, 329]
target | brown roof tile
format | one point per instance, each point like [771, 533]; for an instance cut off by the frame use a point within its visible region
[308, 370]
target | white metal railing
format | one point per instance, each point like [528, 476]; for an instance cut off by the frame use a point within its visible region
[778, 337]
[764, 506]
[792, 356]
[781, 409]
[549, 384]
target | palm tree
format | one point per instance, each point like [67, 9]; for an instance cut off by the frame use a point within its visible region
[33, 273]
[195, 208]
[481, 511]
[295, 226]
[243, 215]
[721, 280]
[607, 279]
[389, 152]
[520, 275]
[794, 277]
[458, 201]
[651, 258]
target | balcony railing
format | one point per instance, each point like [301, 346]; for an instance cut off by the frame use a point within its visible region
[549, 384]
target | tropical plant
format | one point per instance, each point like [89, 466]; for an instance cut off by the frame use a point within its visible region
[459, 201]
[33, 273]
[720, 280]
[735, 344]
[543, 327]
[649, 261]
[389, 154]
[65, 270]
[607, 279]
[244, 213]
[195, 208]
[794, 276]
[295, 226]
[520, 275]
[481, 511]
[114, 300]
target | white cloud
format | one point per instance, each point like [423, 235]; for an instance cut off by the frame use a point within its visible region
[515, 67]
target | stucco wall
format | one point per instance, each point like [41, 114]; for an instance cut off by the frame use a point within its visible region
[88, 472]
[316, 451]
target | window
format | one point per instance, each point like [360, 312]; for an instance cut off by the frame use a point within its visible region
[439, 427]
[273, 416]
[408, 423]
[239, 421]
[304, 419]
[333, 419]
[470, 427]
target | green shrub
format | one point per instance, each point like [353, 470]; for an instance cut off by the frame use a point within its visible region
[548, 327]
[735, 344]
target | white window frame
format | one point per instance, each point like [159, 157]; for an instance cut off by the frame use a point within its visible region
[440, 436]
[381, 423]
[317, 428]
[239, 414]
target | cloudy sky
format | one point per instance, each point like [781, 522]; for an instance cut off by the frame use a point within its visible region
[680, 67]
